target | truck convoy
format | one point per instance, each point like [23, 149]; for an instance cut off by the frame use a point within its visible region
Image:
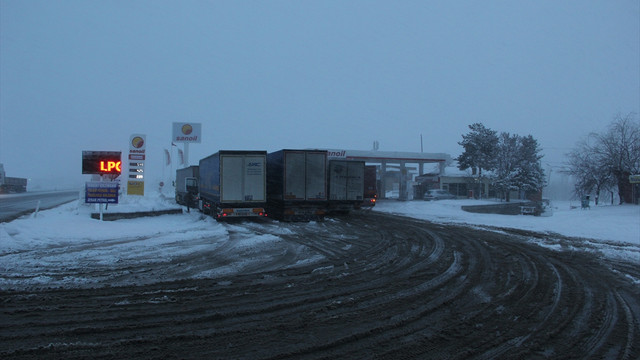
[233, 184]
[11, 184]
[297, 184]
[187, 186]
[289, 185]
[346, 185]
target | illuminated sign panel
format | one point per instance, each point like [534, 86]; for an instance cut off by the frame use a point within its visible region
[137, 155]
[101, 162]
[110, 166]
[96, 192]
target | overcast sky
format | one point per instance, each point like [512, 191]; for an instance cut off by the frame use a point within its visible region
[267, 75]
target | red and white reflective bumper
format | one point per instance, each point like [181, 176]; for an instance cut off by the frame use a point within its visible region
[242, 212]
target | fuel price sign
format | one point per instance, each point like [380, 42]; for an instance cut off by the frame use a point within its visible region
[101, 162]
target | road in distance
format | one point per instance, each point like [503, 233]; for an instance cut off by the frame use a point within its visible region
[12, 206]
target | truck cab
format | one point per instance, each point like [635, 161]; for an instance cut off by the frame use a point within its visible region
[187, 186]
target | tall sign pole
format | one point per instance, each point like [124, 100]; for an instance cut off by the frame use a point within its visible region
[137, 157]
[186, 154]
[186, 133]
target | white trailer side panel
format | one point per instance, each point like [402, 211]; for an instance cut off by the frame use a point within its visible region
[254, 178]
[294, 176]
[346, 179]
[243, 178]
[355, 181]
[316, 176]
[231, 171]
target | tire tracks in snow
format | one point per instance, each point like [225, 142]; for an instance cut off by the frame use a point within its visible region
[366, 286]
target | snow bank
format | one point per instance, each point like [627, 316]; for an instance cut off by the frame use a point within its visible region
[70, 224]
[614, 230]
[608, 223]
[64, 246]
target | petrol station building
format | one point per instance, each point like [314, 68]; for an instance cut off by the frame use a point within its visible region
[396, 170]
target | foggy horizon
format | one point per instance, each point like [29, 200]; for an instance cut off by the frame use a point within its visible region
[80, 76]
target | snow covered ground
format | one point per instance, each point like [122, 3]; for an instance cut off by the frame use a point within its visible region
[66, 237]
[615, 223]
[613, 230]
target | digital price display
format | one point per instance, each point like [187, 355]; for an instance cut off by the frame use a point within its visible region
[101, 162]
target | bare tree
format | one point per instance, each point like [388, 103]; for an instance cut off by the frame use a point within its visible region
[588, 168]
[619, 148]
[605, 161]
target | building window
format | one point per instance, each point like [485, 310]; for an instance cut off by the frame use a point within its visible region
[457, 189]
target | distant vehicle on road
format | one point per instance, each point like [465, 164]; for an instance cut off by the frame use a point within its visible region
[11, 184]
[437, 194]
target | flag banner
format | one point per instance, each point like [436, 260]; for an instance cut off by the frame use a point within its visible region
[168, 156]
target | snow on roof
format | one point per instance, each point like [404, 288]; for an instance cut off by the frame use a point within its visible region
[389, 155]
[453, 171]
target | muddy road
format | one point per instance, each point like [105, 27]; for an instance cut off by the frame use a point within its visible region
[379, 287]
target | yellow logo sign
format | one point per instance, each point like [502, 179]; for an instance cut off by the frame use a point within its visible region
[137, 142]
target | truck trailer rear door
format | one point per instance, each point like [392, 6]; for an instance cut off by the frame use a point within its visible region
[255, 178]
